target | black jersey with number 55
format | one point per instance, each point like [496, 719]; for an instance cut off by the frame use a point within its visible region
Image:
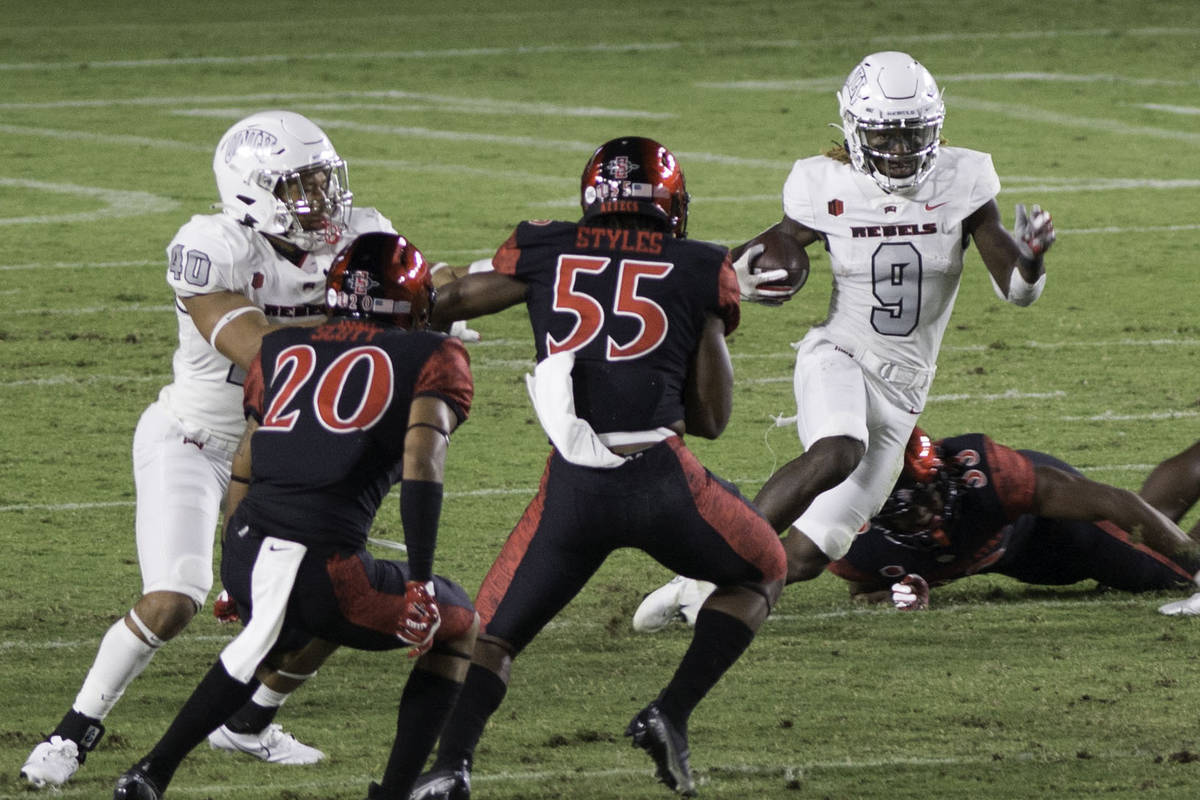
[630, 303]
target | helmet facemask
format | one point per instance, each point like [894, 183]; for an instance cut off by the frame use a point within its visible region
[892, 113]
[924, 502]
[312, 203]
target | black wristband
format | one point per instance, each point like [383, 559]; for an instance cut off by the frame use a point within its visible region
[420, 510]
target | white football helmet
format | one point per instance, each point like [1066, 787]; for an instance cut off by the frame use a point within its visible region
[892, 114]
[278, 173]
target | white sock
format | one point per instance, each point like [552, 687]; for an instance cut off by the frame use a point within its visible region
[268, 698]
[121, 658]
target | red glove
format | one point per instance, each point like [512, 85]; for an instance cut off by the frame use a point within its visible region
[421, 618]
[911, 593]
[224, 609]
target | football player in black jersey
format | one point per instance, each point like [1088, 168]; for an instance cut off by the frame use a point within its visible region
[339, 413]
[629, 321]
[967, 505]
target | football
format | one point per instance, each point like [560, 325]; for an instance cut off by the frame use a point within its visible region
[782, 252]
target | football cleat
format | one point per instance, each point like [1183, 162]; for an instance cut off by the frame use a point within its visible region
[680, 599]
[272, 744]
[446, 783]
[52, 763]
[136, 785]
[655, 734]
[1182, 608]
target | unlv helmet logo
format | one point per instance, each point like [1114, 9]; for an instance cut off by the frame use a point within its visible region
[620, 167]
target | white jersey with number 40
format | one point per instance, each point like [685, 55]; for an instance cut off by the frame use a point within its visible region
[896, 259]
[213, 253]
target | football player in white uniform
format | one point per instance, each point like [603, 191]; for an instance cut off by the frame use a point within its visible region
[896, 211]
[285, 211]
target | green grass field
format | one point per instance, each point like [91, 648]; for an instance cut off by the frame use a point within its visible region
[460, 119]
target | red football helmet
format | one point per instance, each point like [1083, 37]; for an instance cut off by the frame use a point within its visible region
[924, 502]
[921, 461]
[382, 277]
[634, 175]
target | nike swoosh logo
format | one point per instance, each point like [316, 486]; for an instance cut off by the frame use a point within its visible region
[935, 205]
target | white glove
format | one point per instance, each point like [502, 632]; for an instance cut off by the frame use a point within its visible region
[459, 330]
[749, 282]
[1034, 232]
[911, 593]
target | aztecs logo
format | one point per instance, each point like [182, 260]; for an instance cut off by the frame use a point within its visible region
[255, 140]
[359, 282]
[620, 168]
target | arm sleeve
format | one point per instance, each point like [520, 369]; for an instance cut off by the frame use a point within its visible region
[447, 375]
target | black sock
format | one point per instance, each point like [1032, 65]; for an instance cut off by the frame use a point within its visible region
[251, 718]
[719, 640]
[424, 707]
[81, 729]
[216, 697]
[482, 694]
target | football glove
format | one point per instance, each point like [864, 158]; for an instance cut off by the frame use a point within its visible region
[911, 593]
[224, 609]
[1034, 232]
[750, 281]
[421, 618]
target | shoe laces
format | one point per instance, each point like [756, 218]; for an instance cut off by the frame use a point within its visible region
[274, 735]
[62, 748]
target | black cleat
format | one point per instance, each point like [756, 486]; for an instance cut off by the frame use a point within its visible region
[136, 785]
[655, 734]
[446, 783]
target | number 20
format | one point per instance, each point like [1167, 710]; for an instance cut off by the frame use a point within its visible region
[300, 362]
[590, 315]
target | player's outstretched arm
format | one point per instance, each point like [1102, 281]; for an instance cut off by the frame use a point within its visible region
[476, 295]
[1065, 495]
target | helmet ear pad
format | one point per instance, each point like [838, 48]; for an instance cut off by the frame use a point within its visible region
[264, 166]
[637, 176]
[384, 278]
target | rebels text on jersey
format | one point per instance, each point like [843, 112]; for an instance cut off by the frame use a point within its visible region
[896, 258]
[629, 303]
[333, 406]
[214, 253]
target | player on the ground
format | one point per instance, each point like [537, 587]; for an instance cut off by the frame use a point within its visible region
[259, 263]
[340, 413]
[629, 321]
[896, 211]
[966, 505]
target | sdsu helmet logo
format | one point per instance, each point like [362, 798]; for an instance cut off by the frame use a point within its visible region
[359, 282]
[620, 167]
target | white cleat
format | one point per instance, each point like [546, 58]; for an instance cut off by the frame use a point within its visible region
[1182, 608]
[52, 763]
[680, 599]
[272, 745]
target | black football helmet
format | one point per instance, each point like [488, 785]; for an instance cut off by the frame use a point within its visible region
[924, 501]
[381, 277]
[635, 175]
